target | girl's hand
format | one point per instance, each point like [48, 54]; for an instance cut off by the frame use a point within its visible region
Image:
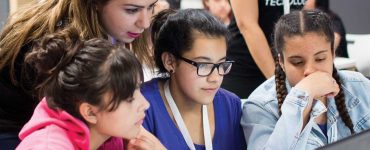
[319, 84]
[145, 141]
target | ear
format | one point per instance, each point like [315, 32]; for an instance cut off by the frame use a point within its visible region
[169, 62]
[281, 62]
[87, 112]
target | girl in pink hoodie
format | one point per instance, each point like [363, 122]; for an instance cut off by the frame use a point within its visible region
[91, 93]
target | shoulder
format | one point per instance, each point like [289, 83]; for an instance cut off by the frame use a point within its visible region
[150, 90]
[354, 80]
[357, 98]
[50, 137]
[265, 93]
[355, 84]
[157, 109]
[149, 85]
[227, 97]
[226, 94]
[352, 76]
[262, 100]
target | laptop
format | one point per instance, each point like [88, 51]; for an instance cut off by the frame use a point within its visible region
[360, 141]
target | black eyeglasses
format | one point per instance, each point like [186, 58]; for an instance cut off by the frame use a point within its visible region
[205, 69]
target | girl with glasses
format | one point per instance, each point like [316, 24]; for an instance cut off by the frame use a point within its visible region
[189, 109]
[308, 103]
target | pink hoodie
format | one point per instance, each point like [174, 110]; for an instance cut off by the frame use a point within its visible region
[50, 129]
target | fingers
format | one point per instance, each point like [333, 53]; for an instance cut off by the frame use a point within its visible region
[335, 89]
[147, 136]
[319, 84]
[131, 145]
[144, 141]
[140, 144]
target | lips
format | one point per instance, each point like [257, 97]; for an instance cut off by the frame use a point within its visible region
[133, 35]
[210, 90]
[140, 122]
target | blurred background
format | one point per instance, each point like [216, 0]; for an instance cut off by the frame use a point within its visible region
[354, 14]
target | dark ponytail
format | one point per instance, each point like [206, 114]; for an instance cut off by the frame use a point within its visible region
[281, 90]
[52, 53]
[72, 71]
[173, 31]
[340, 103]
[158, 21]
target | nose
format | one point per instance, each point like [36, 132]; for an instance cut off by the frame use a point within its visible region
[309, 68]
[143, 21]
[144, 105]
[214, 76]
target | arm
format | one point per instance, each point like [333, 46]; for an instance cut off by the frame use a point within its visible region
[264, 130]
[263, 127]
[246, 15]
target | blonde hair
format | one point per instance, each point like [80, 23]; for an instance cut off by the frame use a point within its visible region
[45, 17]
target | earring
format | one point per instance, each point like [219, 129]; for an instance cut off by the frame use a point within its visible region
[171, 71]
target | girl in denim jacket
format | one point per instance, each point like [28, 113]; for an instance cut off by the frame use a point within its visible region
[308, 103]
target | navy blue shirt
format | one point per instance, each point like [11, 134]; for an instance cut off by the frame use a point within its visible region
[324, 129]
[227, 109]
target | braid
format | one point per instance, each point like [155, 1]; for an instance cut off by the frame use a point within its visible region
[281, 90]
[341, 105]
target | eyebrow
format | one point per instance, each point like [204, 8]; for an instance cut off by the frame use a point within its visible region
[140, 6]
[320, 52]
[209, 59]
[292, 57]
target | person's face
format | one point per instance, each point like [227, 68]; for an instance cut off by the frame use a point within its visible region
[191, 86]
[219, 8]
[304, 55]
[126, 120]
[161, 5]
[125, 20]
[309, 5]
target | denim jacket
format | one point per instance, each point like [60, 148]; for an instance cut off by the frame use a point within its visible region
[264, 129]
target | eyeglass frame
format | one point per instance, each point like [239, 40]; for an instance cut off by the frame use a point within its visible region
[197, 64]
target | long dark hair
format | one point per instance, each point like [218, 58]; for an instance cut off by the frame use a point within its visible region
[173, 31]
[322, 5]
[40, 18]
[299, 23]
[72, 71]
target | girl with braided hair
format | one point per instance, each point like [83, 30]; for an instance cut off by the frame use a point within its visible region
[308, 103]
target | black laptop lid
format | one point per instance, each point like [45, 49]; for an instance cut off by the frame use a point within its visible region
[360, 141]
